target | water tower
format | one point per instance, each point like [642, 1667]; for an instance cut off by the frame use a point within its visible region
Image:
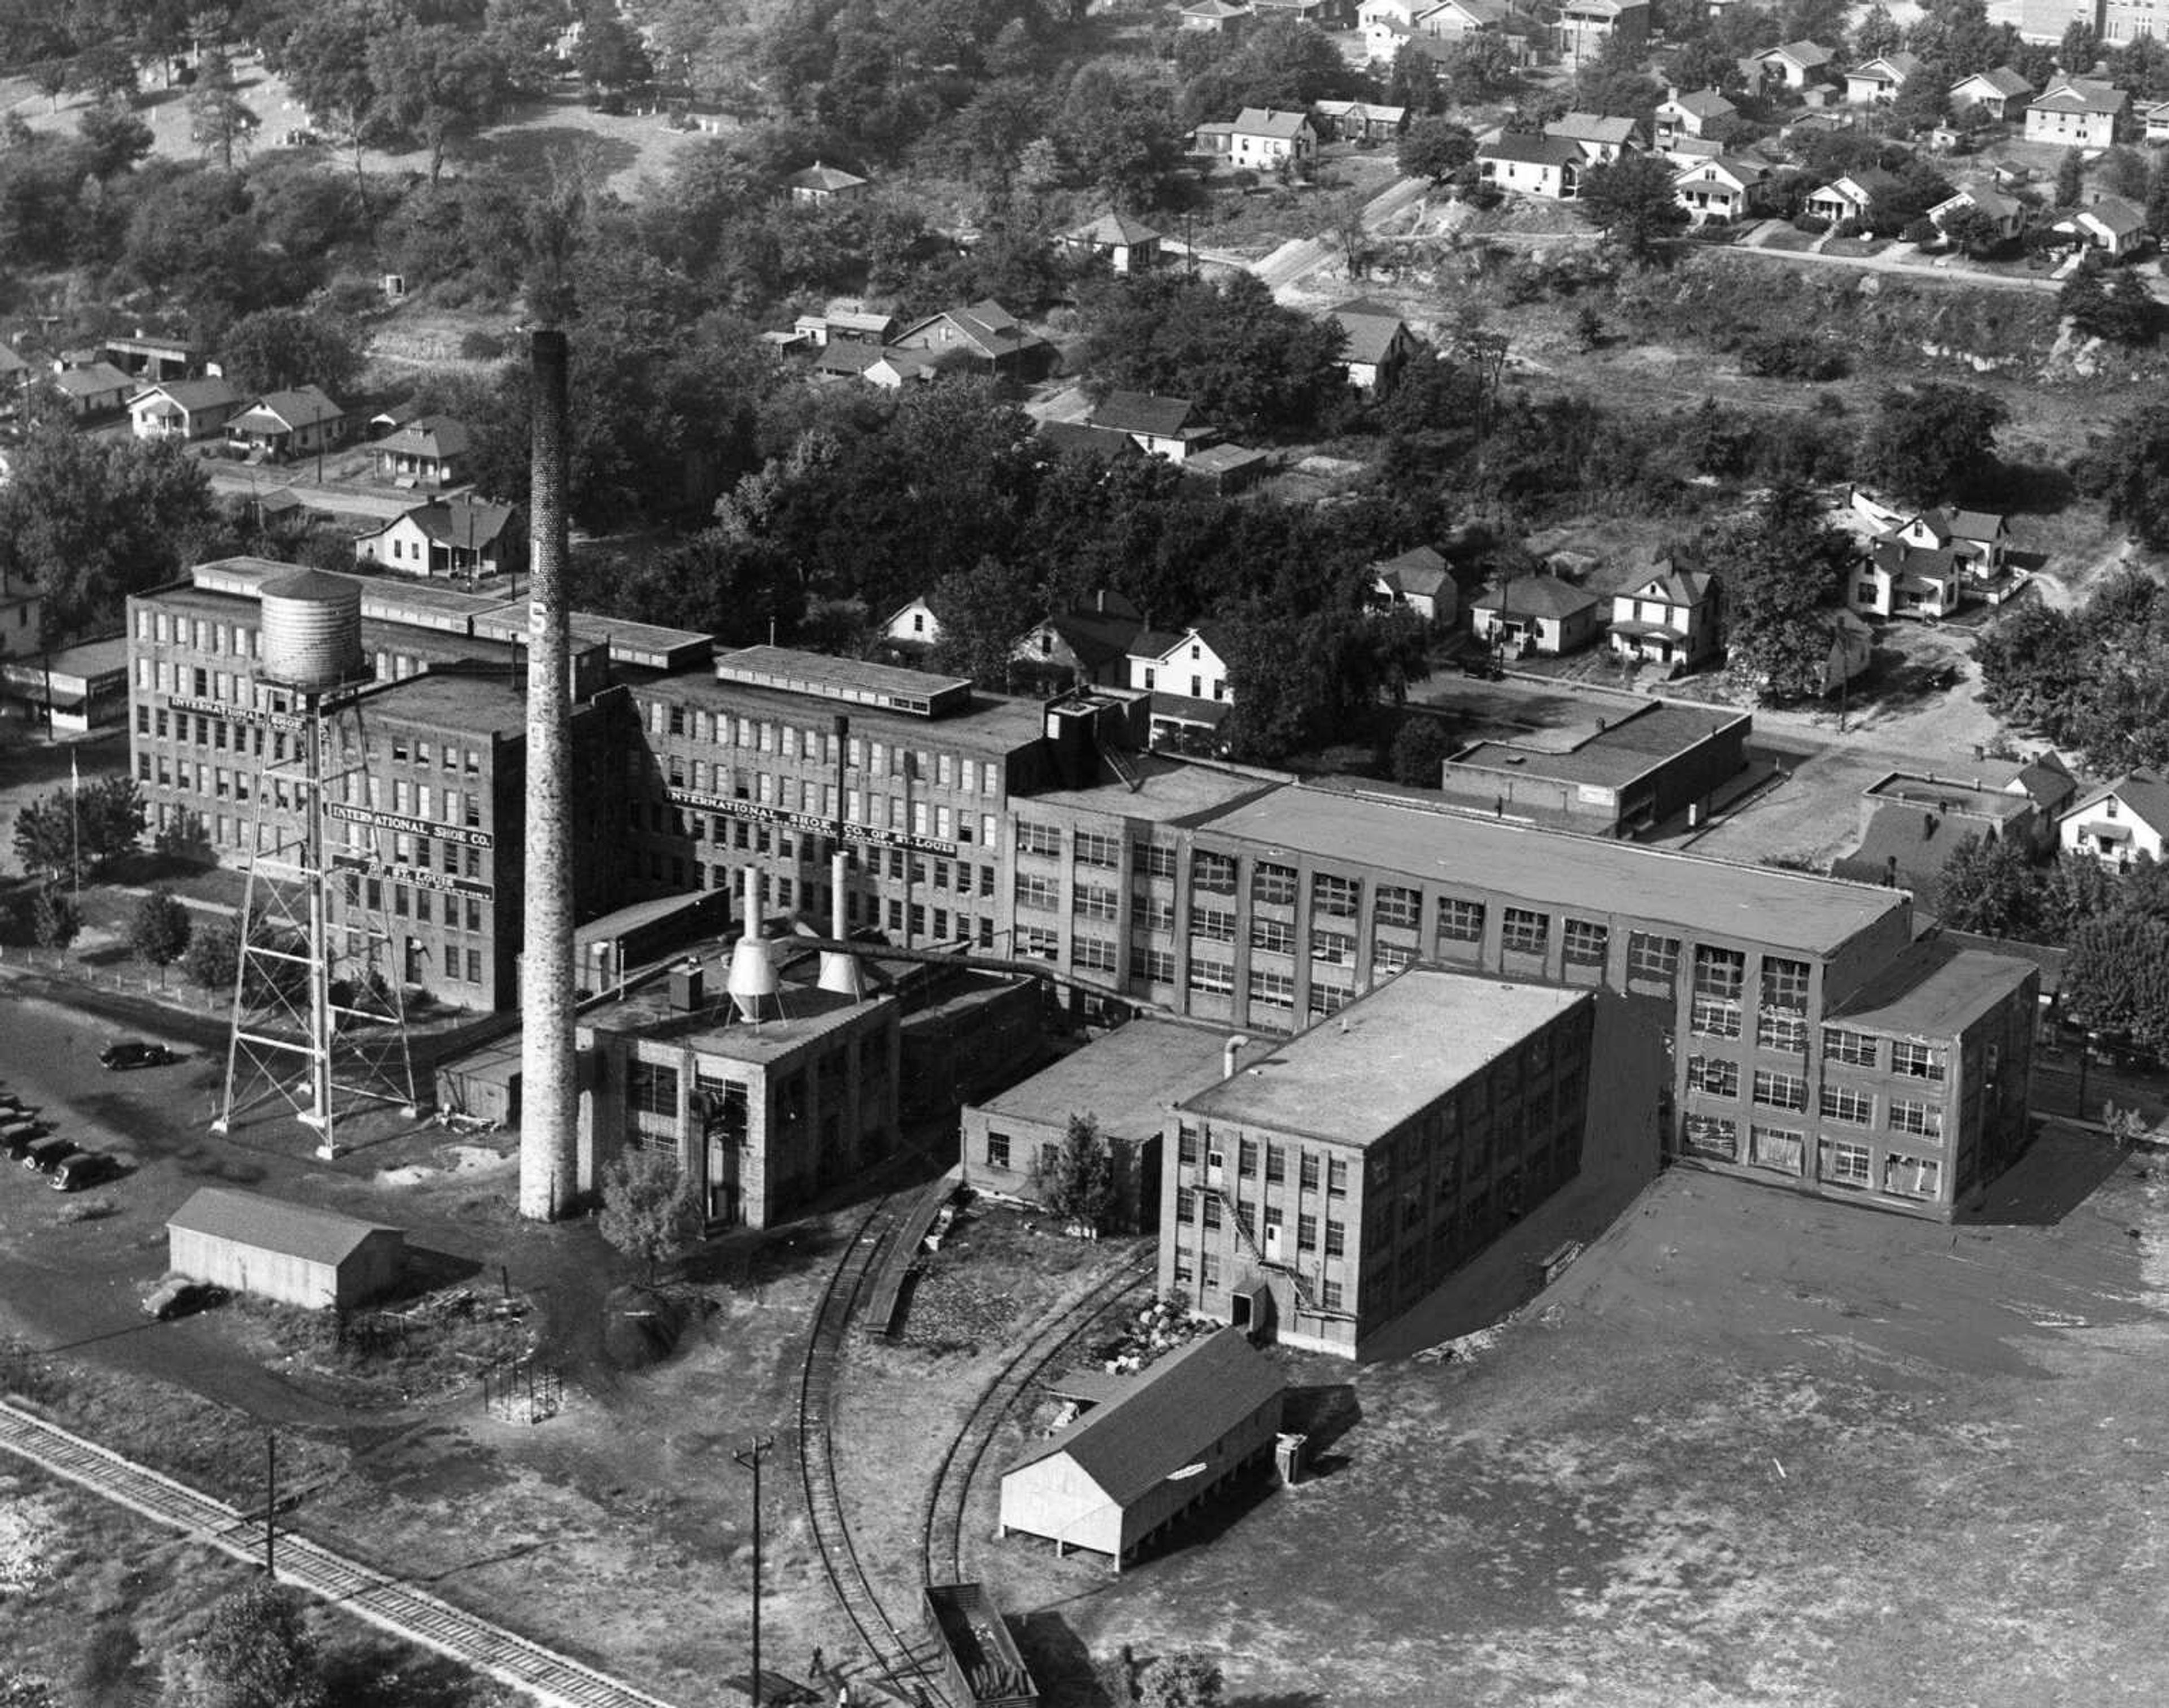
[317, 1016]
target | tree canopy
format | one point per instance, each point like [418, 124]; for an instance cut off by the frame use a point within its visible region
[1632, 202]
[1933, 442]
[1782, 569]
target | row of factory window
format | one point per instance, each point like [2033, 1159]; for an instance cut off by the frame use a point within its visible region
[1787, 1033]
[892, 812]
[1251, 1158]
[785, 741]
[220, 734]
[216, 639]
[1783, 1151]
[1207, 1209]
[1772, 1089]
[1204, 1269]
[424, 906]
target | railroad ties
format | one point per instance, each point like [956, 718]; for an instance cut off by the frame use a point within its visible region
[361, 1590]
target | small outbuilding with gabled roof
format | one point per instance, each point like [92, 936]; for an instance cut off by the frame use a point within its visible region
[276, 1249]
[1129, 1468]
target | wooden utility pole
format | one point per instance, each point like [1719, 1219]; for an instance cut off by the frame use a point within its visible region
[270, 1503]
[750, 1458]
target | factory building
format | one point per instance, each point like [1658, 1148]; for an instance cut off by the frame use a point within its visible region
[1042, 833]
[1328, 1185]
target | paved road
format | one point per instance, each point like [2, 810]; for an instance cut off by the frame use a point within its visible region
[1953, 274]
[367, 1593]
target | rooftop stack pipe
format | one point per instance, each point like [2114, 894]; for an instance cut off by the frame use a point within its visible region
[839, 972]
[753, 967]
[549, 1126]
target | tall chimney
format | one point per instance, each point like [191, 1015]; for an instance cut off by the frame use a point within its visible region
[549, 1135]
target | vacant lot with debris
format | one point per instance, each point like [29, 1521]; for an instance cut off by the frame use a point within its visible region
[1751, 1448]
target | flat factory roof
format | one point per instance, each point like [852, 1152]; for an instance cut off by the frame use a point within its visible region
[1168, 792]
[1934, 990]
[1361, 1072]
[850, 681]
[1610, 753]
[1557, 870]
[1125, 1080]
[988, 726]
[1948, 795]
[802, 1014]
[472, 706]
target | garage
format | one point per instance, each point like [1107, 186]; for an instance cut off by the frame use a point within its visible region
[315, 1258]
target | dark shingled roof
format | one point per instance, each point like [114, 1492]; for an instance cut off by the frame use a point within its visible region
[1141, 412]
[1171, 1414]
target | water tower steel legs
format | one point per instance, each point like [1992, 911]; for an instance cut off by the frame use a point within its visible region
[549, 1132]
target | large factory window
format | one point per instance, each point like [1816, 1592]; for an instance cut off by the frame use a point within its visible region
[652, 1088]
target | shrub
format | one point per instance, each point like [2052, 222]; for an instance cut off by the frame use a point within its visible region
[1791, 356]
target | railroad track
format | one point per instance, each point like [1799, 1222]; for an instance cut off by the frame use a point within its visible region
[1051, 1338]
[885, 1642]
[406, 1612]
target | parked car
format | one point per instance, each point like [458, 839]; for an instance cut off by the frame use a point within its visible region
[46, 1155]
[85, 1168]
[18, 1136]
[177, 1296]
[134, 1052]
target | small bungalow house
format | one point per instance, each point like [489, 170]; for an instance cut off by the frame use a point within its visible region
[1876, 83]
[283, 424]
[1457, 20]
[844, 326]
[1703, 114]
[1160, 427]
[458, 537]
[1215, 18]
[2000, 94]
[820, 185]
[984, 336]
[96, 388]
[914, 628]
[1586, 28]
[1669, 617]
[1265, 138]
[1192, 665]
[1534, 613]
[1602, 140]
[1418, 581]
[2111, 225]
[1358, 121]
[1852, 197]
[1795, 64]
[1725, 188]
[2120, 821]
[1529, 164]
[184, 409]
[2008, 212]
[431, 451]
[2077, 113]
[1125, 244]
[1376, 343]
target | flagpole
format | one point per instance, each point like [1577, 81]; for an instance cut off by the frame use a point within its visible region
[75, 822]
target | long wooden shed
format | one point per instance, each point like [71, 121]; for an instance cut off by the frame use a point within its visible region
[316, 1259]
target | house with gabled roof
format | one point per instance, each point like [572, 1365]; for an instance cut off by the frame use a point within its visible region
[1795, 64]
[1215, 18]
[93, 388]
[1163, 426]
[2120, 821]
[912, 628]
[1125, 244]
[2000, 94]
[1876, 83]
[184, 409]
[1192, 665]
[1084, 647]
[820, 185]
[1704, 114]
[431, 451]
[1358, 121]
[1265, 138]
[457, 537]
[282, 424]
[1898, 579]
[1534, 613]
[1454, 20]
[1417, 580]
[1667, 617]
[2076, 112]
[2007, 211]
[1601, 138]
[1376, 343]
[2111, 225]
[983, 336]
[1852, 197]
[1530, 164]
[1726, 187]
[1171, 1437]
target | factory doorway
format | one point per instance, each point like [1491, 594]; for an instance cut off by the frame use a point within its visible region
[1250, 1309]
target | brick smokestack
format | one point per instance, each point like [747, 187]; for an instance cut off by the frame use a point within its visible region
[549, 1091]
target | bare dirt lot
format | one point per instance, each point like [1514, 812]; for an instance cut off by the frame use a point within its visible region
[1751, 1449]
